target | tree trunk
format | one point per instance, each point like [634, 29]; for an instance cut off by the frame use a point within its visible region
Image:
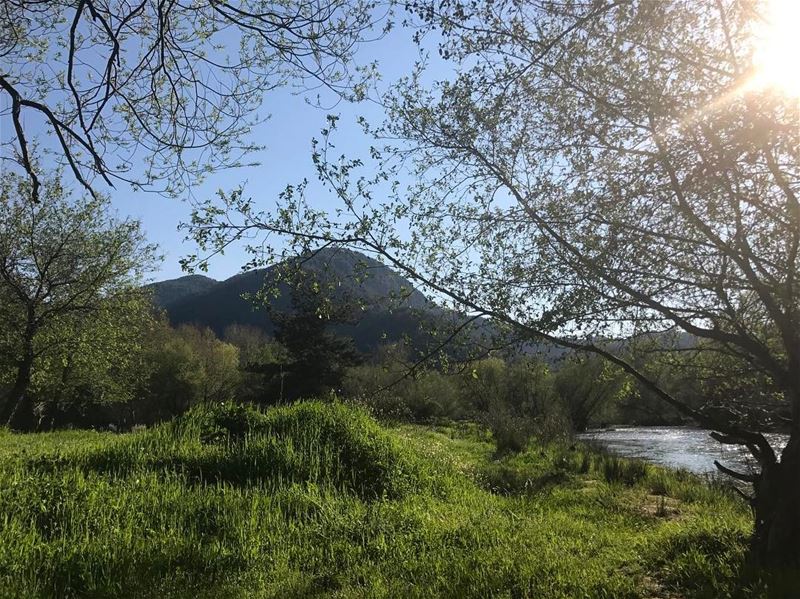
[23, 418]
[776, 506]
[18, 405]
[16, 396]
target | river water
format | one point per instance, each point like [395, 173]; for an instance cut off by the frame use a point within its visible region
[677, 447]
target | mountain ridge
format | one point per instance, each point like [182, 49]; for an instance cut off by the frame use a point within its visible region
[391, 308]
[170, 291]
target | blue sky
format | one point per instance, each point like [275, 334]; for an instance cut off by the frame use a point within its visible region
[285, 159]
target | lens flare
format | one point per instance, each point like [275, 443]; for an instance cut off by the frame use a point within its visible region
[776, 58]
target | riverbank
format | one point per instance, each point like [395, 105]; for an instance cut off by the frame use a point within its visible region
[319, 500]
[679, 447]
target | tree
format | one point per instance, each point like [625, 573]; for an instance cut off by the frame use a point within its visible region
[188, 366]
[706, 379]
[217, 364]
[172, 86]
[317, 358]
[587, 386]
[596, 170]
[259, 358]
[172, 385]
[97, 362]
[486, 383]
[61, 261]
[250, 340]
[516, 401]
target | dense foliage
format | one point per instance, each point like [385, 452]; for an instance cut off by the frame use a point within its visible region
[69, 272]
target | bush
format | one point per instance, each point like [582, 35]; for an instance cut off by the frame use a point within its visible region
[515, 400]
[511, 433]
[428, 396]
[226, 421]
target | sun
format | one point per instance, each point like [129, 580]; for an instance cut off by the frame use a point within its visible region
[776, 58]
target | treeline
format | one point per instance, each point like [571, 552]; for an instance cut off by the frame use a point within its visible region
[81, 344]
[123, 365]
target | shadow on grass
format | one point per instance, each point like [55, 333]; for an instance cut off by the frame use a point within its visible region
[328, 445]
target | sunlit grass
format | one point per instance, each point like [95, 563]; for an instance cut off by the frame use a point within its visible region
[319, 500]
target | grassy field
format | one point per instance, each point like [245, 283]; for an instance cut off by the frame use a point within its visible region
[319, 500]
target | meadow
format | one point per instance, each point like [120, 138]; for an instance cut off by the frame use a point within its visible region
[320, 500]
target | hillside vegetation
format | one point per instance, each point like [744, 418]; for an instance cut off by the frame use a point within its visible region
[317, 499]
[392, 306]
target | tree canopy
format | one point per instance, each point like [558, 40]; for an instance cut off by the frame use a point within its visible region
[595, 171]
[158, 94]
[68, 269]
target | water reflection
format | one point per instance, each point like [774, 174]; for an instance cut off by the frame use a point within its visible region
[678, 447]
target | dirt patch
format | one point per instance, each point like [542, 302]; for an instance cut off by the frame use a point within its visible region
[661, 506]
[655, 590]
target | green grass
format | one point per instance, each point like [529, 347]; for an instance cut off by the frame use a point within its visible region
[319, 500]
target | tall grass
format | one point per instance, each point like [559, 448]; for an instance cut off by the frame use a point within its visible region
[319, 500]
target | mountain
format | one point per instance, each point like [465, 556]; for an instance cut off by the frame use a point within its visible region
[391, 309]
[390, 306]
[167, 293]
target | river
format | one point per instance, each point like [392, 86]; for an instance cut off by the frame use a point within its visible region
[677, 447]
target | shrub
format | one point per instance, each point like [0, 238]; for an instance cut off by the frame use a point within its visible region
[224, 421]
[511, 433]
[428, 396]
